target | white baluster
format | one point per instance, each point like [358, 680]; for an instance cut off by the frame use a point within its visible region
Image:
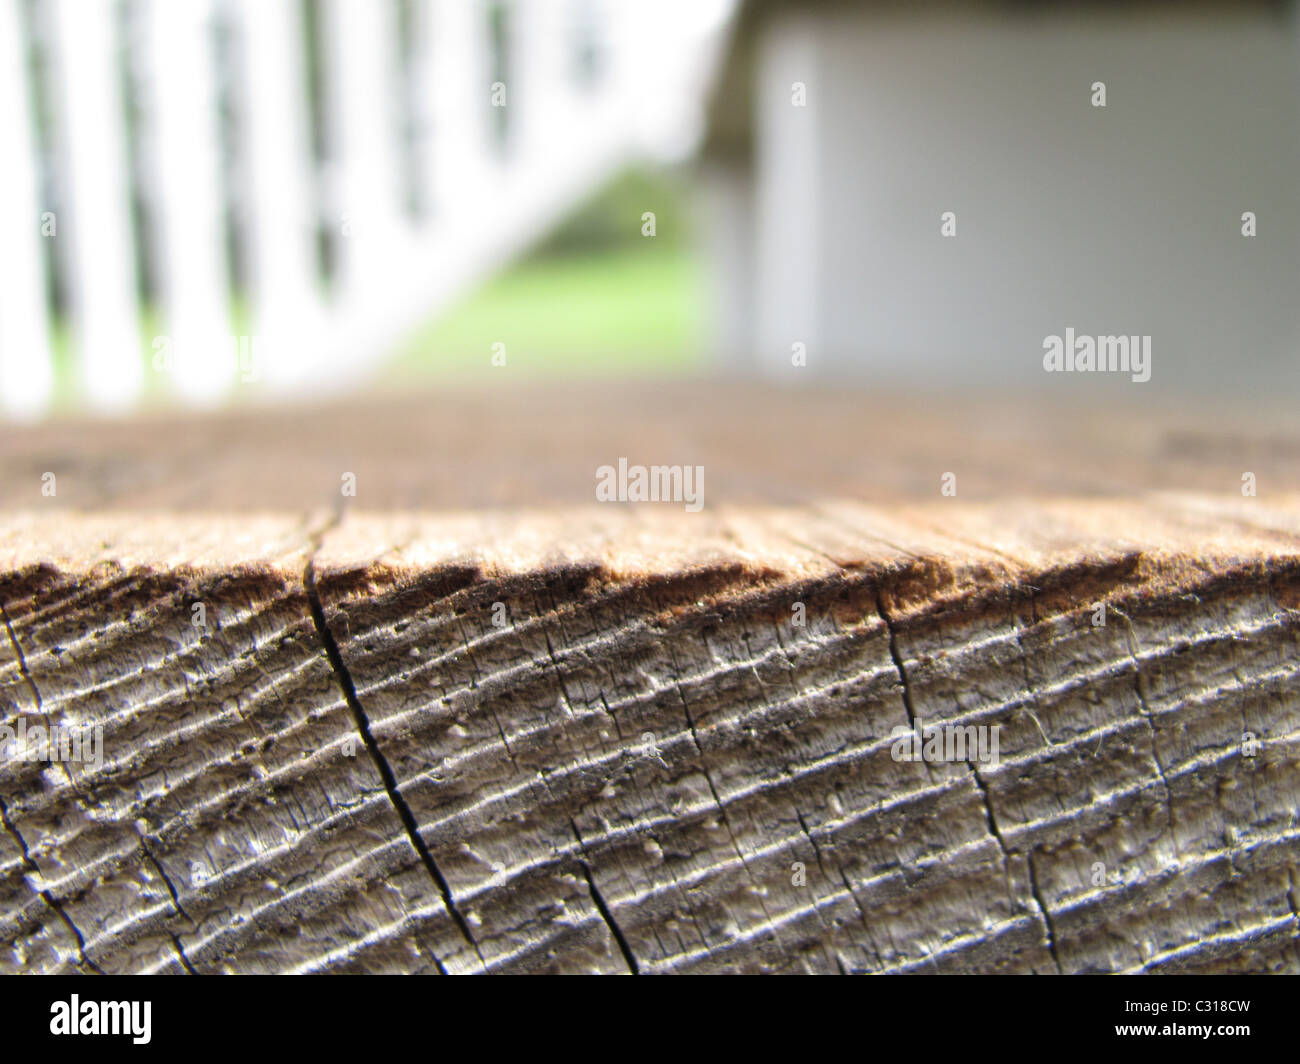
[361, 61]
[463, 167]
[102, 265]
[542, 42]
[286, 300]
[193, 280]
[25, 368]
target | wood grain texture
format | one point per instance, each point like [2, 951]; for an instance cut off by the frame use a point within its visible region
[472, 721]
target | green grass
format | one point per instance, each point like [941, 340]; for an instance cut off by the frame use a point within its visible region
[629, 309]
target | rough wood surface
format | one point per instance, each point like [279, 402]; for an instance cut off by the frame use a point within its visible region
[351, 767]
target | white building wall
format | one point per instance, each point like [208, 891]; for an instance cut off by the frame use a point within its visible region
[1123, 219]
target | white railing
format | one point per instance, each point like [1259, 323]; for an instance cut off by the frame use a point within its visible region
[415, 191]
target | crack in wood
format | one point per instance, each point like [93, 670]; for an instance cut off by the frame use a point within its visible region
[53, 903]
[348, 689]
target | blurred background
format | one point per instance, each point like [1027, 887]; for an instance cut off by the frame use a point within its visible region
[207, 201]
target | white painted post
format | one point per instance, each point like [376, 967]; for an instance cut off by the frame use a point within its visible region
[102, 269]
[25, 368]
[788, 195]
[462, 170]
[625, 27]
[193, 277]
[286, 301]
[361, 61]
[544, 98]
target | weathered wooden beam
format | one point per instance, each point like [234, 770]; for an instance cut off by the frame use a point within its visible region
[469, 718]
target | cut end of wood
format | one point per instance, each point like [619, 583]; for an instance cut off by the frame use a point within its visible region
[1018, 732]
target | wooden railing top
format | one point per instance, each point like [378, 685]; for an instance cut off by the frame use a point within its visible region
[509, 476]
